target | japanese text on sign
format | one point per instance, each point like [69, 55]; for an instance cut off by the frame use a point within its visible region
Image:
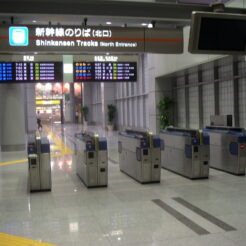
[72, 32]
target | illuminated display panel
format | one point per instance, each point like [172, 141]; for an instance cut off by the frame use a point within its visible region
[105, 71]
[28, 72]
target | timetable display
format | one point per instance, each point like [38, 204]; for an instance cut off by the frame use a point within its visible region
[28, 72]
[105, 71]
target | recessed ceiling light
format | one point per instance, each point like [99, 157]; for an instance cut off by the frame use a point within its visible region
[108, 22]
[34, 21]
[35, 53]
[150, 25]
[107, 53]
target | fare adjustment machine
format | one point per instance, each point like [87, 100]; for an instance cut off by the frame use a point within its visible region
[140, 155]
[39, 163]
[92, 159]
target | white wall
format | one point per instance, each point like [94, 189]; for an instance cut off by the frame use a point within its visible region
[160, 65]
[226, 95]
[165, 64]
[12, 117]
[132, 99]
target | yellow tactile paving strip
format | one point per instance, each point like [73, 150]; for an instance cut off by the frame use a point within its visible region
[59, 145]
[12, 162]
[10, 240]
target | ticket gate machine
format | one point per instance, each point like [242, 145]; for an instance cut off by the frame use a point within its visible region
[185, 151]
[227, 148]
[92, 159]
[140, 155]
[39, 163]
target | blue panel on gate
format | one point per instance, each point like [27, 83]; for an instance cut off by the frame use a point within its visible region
[242, 139]
[206, 139]
[103, 144]
[234, 148]
[45, 145]
[156, 142]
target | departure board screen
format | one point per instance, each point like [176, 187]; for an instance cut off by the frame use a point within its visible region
[30, 72]
[105, 71]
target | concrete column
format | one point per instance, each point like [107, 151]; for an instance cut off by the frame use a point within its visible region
[12, 118]
[200, 100]
[216, 91]
[87, 98]
[72, 103]
[68, 77]
[187, 105]
[235, 94]
[30, 108]
[149, 75]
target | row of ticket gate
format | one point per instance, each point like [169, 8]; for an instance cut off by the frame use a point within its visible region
[191, 152]
[187, 152]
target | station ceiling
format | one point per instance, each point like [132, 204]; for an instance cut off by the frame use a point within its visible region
[120, 13]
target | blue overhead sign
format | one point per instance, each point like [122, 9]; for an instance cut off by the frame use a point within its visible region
[18, 36]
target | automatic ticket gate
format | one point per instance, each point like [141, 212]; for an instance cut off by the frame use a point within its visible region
[185, 151]
[227, 149]
[39, 163]
[140, 155]
[92, 159]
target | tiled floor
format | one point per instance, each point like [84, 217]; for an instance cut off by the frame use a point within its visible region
[123, 213]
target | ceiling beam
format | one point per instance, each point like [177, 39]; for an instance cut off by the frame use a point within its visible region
[147, 10]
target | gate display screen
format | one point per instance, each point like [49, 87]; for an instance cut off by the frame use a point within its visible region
[28, 72]
[105, 71]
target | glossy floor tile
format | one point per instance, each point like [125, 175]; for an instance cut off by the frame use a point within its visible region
[121, 214]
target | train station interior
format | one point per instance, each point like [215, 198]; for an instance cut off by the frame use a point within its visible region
[122, 123]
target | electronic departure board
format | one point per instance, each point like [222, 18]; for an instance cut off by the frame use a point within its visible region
[30, 72]
[105, 71]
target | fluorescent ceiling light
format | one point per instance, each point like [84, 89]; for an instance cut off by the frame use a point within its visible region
[34, 21]
[144, 24]
[108, 22]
